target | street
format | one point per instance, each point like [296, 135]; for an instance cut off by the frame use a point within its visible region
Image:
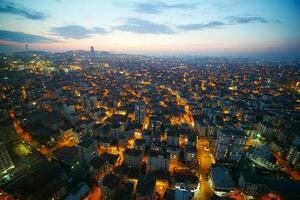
[205, 159]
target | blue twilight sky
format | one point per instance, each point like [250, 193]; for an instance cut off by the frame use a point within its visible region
[200, 26]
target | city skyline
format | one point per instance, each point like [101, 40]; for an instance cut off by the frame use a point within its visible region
[149, 100]
[161, 27]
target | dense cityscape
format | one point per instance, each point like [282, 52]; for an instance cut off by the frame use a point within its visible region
[149, 100]
[96, 125]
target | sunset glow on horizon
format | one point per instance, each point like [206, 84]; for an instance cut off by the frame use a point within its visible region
[206, 27]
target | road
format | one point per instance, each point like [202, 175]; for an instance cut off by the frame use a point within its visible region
[205, 159]
[95, 193]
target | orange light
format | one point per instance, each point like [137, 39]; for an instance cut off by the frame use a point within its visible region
[24, 96]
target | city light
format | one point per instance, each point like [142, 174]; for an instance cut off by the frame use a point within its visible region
[108, 100]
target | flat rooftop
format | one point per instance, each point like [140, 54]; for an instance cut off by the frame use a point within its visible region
[221, 179]
[233, 132]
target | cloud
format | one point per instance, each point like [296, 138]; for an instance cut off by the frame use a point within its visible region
[16, 9]
[23, 37]
[229, 21]
[143, 26]
[157, 7]
[246, 20]
[99, 30]
[209, 25]
[76, 31]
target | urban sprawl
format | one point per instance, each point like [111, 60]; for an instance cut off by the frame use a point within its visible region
[95, 125]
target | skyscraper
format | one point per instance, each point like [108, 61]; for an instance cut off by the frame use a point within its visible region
[92, 51]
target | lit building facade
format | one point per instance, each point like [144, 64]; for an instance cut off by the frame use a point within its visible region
[230, 145]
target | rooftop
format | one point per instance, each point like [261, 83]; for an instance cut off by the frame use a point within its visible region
[145, 185]
[132, 152]
[232, 132]
[111, 181]
[221, 179]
